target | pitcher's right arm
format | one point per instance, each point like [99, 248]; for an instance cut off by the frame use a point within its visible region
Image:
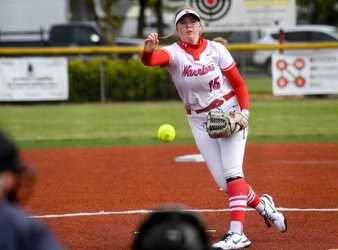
[151, 56]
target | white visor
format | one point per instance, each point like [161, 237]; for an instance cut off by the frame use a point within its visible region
[186, 12]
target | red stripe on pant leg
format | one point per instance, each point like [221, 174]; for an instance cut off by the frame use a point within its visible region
[238, 199]
[237, 188]
[234, 208]
[256, 199]
[250, 196]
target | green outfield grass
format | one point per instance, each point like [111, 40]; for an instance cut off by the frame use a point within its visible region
[70, 125]
[259, 85]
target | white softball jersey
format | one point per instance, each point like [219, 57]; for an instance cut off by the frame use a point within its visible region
[199, 83]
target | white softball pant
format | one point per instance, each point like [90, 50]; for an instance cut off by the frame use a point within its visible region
[223, 156]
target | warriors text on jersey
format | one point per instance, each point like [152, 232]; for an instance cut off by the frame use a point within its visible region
[201, 73]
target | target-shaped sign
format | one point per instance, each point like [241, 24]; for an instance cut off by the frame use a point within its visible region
[299, 63]
[282, 82]
[211, 10]
[281, 64]
[300, 81]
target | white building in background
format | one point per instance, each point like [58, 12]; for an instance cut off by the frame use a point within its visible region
[34, 15]
[20, 15]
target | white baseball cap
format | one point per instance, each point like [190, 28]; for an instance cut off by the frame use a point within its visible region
[186, 11]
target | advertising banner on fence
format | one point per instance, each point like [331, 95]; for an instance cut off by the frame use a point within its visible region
[305, 73]
[33, 79]
[244, 15]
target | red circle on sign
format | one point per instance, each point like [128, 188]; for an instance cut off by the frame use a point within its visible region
[211, 3]
[299, 63]
[300, 81]
[282, 82]
[281, 64]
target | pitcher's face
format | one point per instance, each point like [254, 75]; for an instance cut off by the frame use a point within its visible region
[189, 29]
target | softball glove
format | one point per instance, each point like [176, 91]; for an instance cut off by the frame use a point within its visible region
[221, 124]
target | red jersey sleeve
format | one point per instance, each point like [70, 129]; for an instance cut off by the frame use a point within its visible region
[156, 58]
[237, 83]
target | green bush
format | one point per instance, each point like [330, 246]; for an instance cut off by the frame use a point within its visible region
[124, 81]
[84, 81]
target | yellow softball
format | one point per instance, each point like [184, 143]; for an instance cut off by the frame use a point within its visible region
[166, 133]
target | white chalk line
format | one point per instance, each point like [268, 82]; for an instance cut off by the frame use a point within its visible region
[197, 158]
[147, 211]
[305, 162]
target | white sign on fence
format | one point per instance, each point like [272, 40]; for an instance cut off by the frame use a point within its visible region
[305, 74]
[33, 79]
[240, 15]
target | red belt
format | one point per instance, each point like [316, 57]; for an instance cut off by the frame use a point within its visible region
[214, 104]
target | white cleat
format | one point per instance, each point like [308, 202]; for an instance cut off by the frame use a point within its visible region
[271, 215]
[232, 241]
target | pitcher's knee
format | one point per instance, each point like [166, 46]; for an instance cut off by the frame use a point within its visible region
[233, 178]
[233, 174]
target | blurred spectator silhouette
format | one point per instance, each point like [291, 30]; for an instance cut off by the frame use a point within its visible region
[171, 229]
[17, 230]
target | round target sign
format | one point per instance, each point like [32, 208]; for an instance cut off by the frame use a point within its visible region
[211, 10]
[299, 63]
[300, 81]
[282, 82]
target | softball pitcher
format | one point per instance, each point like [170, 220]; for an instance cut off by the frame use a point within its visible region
[208, 81]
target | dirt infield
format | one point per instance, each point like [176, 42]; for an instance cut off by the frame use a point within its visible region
[122, 181]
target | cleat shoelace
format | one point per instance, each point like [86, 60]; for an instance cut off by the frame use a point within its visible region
[227, 237]
[268, 216]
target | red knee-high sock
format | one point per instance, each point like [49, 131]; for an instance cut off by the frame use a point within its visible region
[238, 197]
[253, 199]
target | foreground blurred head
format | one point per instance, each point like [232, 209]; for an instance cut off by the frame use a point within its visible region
[16, 179]
[171, 229]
